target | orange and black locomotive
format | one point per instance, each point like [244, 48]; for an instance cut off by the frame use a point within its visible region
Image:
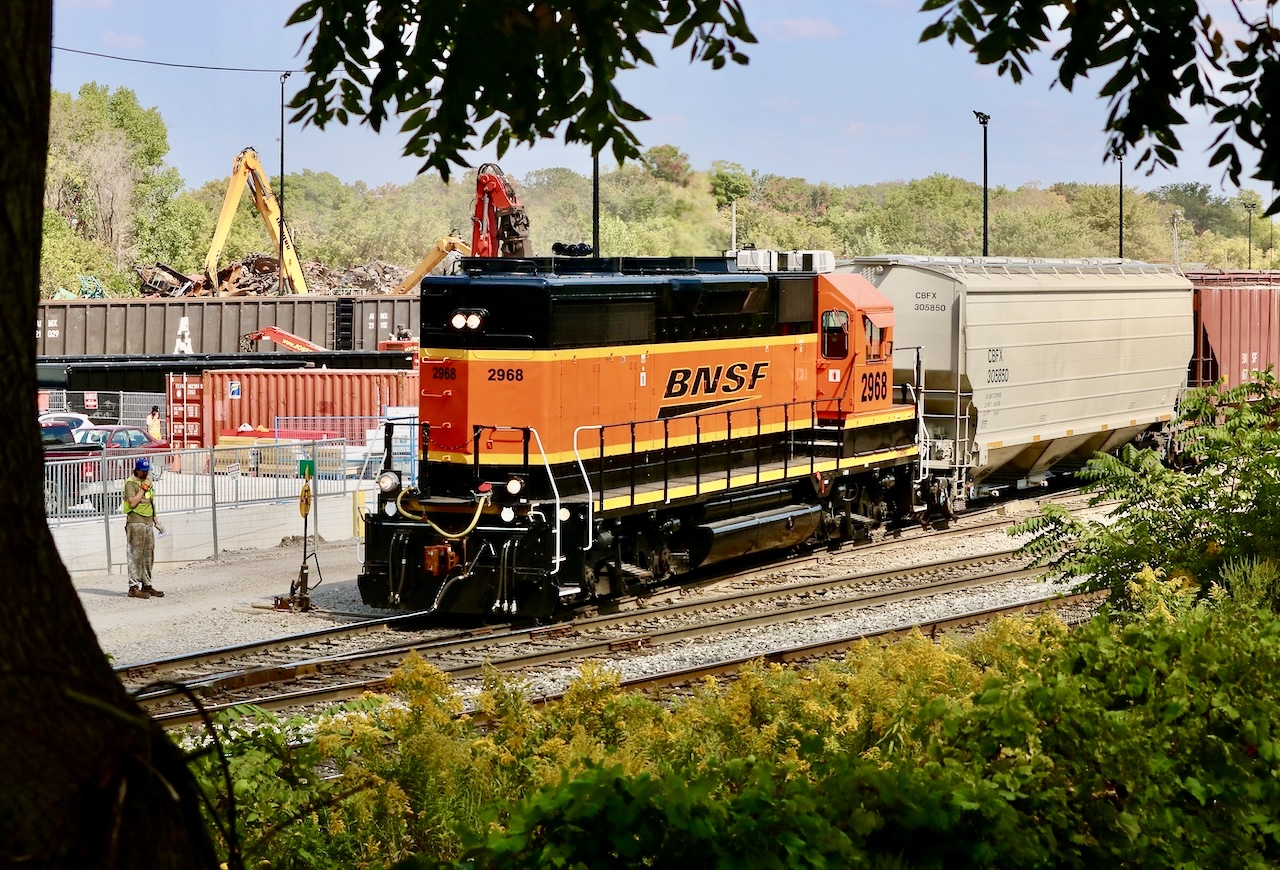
[590, 428]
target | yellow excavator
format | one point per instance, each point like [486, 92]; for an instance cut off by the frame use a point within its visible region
[248, 171]
[434, 257]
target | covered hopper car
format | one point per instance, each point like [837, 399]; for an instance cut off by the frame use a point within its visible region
[1030, 367]
[593, 427]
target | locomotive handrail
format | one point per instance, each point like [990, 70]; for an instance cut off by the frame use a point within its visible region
[528, 432]
[697, 443]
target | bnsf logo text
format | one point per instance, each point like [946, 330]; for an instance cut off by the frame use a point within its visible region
[706, 380]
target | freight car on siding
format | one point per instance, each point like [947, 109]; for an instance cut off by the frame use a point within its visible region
[603, 426]
[1237, 326]
[1033, 366]
[151, 327]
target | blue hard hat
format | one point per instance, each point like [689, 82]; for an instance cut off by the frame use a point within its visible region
[142, 465]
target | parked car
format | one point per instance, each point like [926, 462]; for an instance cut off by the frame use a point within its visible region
[119, 438]
[71, 418]
[102, 479]
[63, 479]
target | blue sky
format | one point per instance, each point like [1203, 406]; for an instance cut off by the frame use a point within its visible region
[840, 91]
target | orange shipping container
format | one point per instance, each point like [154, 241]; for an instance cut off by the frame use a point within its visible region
[325, 400]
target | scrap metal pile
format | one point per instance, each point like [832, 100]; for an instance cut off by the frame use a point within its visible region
[259, 275]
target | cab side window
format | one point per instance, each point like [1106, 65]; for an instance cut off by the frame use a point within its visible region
[835, 334]
[875, 340]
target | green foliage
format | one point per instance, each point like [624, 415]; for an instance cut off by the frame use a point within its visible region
[1190, 524]
[64, 256]
[1206, 211]
[668, 163]
[435, 68]
[1154, 57]
[729, 182]
[170, 226]
[1149, 744]
[279, 803]
[1145, 743]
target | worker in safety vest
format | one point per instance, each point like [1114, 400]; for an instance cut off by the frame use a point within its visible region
[140, 527]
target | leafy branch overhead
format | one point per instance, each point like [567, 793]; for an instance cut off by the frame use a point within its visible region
[1155, 55]
[507, 71]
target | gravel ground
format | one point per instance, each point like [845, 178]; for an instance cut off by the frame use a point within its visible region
[230, 601]
[220, 603]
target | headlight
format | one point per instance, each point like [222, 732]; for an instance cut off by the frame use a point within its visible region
[458, 320]
[389, 481]
[473, 321]
[515, 485]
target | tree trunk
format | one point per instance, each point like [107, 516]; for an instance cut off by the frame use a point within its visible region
[86, 778]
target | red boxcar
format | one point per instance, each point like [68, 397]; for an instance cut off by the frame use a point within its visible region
[1237, 325]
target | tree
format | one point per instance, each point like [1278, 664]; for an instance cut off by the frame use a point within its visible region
[1196, 528]
[729, 182]
[435, 68]
[1152, 55]
[1203, 209]
[91, 780]
[668, 163]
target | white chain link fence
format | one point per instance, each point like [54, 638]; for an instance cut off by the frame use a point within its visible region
[209, 500]
[108, 407]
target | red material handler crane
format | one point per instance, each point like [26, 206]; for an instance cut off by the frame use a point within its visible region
[501, 226]
[249, 341]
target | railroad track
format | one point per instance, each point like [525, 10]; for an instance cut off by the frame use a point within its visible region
[328, 679]
[341, 662]
[366, 634]
[1079, 607]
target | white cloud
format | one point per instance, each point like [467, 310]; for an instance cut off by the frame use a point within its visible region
[789, 29]
[123, 40]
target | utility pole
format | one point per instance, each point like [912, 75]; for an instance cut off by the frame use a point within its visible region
[595, 205]
[1177, 217]
[1249, 207]
[280, 199]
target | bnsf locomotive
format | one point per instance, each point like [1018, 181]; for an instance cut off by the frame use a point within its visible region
[593, 427]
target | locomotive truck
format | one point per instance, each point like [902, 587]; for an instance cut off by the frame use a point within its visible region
[590, 428]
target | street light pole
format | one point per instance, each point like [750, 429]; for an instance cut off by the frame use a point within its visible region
[595, 204]
[280, 198]
[1118, 152]
[1249, 207]
[983, 118]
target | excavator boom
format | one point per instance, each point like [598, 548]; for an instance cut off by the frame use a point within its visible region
[249, 341]
[248, 171]
[434, 257]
